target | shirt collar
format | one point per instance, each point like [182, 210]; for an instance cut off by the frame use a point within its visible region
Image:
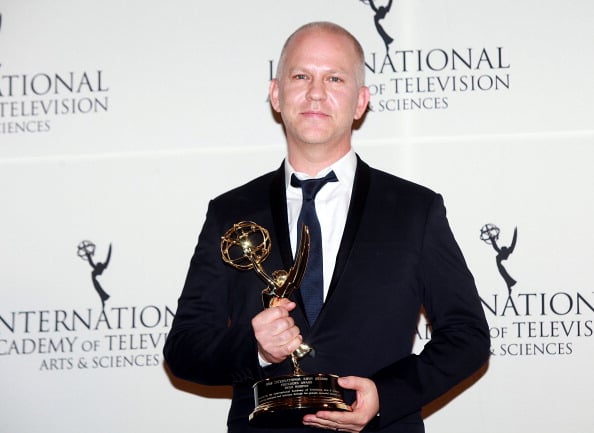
[344, 169]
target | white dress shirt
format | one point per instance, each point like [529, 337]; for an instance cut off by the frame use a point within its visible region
[332, 205]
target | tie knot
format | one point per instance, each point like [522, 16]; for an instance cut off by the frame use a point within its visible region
[310, 187]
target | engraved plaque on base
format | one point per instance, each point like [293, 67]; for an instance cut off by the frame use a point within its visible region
[281, 401]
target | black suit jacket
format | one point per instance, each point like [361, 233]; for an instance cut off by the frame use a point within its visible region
[397, 254]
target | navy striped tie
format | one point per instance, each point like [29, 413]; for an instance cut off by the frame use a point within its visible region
[312, 286]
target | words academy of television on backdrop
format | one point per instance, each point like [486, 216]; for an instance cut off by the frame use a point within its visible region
[112, 117]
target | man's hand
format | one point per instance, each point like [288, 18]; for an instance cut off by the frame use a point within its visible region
[276, 332]
[365, 408]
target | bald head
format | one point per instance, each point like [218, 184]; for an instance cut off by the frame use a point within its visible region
[325, 27]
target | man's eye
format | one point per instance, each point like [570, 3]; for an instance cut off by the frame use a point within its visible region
[335, 79]
[300, 76]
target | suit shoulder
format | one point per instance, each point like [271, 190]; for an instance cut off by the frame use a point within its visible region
[252, 191]
[393, 184]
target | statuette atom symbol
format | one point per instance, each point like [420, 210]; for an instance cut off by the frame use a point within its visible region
[489, 233]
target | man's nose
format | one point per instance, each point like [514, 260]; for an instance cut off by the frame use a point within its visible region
[316, 90]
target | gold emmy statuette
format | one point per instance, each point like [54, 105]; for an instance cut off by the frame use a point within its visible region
[281, 401]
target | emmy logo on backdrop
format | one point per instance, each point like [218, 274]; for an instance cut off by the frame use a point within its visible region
[86, 251]
[490, 235]
[281, 401]
[380, 14]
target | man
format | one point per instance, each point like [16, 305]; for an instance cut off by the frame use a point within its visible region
[388, 250]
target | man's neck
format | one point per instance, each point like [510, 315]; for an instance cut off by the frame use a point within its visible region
[315, 158]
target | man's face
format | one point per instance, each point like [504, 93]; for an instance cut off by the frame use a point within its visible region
[318, 94]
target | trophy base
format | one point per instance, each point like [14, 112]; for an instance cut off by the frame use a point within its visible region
[283, 401]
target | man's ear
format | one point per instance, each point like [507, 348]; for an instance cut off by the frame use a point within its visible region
[362, 102]
[273, 95]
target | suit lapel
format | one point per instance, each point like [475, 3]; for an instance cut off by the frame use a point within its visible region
[356, 209]
[278, 206]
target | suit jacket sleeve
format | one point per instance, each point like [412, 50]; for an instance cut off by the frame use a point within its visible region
[459, 342]
[209, 343]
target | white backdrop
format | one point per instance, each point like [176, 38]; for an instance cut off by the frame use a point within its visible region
[120, 120]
